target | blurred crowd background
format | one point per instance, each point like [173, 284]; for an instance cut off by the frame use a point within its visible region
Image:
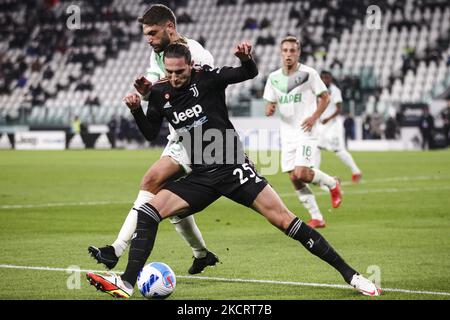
[391, 75]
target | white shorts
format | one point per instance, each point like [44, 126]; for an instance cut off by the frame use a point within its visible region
[331, 136]
[303, 152]
[177, 152]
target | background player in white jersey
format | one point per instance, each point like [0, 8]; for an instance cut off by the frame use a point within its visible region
[331, 128]
[301, 97]
[159, 28]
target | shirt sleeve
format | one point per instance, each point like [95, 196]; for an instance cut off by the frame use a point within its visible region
[317, 85]
[269, 92]
[149, 124]
[222, 77]
[200, 55]
[337, 96]
[153, 73]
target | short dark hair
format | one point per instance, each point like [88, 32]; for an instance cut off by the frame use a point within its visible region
[158, 14]
[178, 50]
[326, 72]
[291, 39]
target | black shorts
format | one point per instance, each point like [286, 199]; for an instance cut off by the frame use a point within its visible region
[240, 183]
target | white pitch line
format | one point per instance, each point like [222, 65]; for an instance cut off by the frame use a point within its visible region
[61, 204]
[369, 191]
[399, 179]
[364, 191]
[289, 283]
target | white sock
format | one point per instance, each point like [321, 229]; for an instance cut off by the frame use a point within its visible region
[347, 159]
[318, 159]
[308, 200]
[321, 178]
[129, 226]
[188, 229]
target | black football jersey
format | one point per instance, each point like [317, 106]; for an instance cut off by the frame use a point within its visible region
[199, 114]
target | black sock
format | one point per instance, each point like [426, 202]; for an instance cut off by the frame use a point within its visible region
[317, 245]
[142, 243]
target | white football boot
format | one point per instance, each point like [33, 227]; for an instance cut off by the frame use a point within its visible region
[111, 284]
[365, 286]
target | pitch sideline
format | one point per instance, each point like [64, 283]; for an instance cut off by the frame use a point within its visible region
[289, 283]
[285, 194]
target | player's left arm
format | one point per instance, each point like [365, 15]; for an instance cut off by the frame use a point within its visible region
[200, 55]
[336, 96]
[248, 69]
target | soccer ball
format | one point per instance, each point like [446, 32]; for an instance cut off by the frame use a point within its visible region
[156, 281]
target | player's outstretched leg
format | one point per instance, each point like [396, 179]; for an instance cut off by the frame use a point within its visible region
[312, 175]
[188, 229]
[308, 200]
[269, 204]
[141, 247]
[348, 160]
[315, 243]
[153, 180]
[109, 255]
[332, 183]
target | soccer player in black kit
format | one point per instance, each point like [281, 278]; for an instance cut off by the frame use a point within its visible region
[193, 101]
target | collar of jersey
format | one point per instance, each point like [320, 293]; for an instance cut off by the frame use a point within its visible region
[298, 67]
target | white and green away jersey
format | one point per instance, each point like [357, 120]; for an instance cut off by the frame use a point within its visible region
[335, 98]
[199, 55]
[296, 99]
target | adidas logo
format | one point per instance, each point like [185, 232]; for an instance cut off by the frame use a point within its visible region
[258, 179]
[167, 105]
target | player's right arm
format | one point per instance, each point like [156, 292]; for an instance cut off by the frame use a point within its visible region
[270, 96]
[149, 125]
[200, 56]
[143, 84]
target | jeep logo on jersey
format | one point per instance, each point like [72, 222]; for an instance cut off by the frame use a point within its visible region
[195, 111]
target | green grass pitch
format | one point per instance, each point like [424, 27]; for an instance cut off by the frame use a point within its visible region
[53, 205]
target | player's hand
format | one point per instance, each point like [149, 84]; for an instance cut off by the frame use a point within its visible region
[243, 51]
[270, 109]
[325, 121]
[308, 124]
[142, 85]
[133, 101]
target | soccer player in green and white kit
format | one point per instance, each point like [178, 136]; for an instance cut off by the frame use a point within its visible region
[301, 98]
[159, 28]
[331, 128]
